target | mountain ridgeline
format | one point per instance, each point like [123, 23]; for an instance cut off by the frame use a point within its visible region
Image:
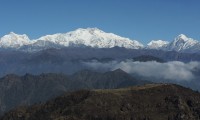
[95, 38]
[148, 102]
[29, 89]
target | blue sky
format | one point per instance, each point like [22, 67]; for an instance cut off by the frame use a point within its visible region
[142, 20]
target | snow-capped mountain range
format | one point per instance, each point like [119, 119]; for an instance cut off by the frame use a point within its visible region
[93, 37]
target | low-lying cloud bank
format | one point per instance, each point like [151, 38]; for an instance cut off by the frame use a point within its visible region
[173, 70]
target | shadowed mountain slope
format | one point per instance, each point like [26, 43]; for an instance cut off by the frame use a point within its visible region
[146, 58]
[148, 102]
[29, 89]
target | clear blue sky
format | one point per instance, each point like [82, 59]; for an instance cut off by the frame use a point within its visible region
[143, 20]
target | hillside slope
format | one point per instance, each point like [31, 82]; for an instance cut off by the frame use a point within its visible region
[149, 102]
[29, 89]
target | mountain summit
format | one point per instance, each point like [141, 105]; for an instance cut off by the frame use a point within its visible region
[13, 40]
[157, 44]
[182, 43]
[90, 37]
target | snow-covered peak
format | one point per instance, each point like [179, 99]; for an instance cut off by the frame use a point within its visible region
[157, 44]
[13, 40]
[92, 37]
[91, 30]
[182, 37]
[181, 43]
[13, 35]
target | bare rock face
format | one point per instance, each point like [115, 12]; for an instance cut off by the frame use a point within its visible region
[148, 102]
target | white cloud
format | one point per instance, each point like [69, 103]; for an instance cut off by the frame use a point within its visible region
[174, 70]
